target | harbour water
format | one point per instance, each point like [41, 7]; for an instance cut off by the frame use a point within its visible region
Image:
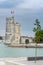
[6, 51]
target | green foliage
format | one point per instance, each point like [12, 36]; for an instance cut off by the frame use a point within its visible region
[39, 36]
[0, 38]
[37, 26]
[38, 32]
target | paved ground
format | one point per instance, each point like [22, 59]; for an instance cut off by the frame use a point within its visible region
[20, 62]
[31, 62]
[2, 63]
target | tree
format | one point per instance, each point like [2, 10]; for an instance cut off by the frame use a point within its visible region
[38, 32]
[0, 38]
[37, 24]
[39, 36]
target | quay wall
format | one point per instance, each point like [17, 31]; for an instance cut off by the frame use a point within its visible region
[34, 45]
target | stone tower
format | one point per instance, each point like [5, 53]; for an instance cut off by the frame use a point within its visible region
[12, 35]
[17, 33]
[9, 29]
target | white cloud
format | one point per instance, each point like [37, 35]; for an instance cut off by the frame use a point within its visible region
[2, 1]
[31, 4]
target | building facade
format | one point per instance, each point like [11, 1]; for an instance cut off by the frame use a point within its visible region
[12, 35]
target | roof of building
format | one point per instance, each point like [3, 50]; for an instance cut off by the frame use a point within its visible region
[27, 37]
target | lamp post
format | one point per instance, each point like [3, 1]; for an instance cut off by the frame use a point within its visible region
[35, 52]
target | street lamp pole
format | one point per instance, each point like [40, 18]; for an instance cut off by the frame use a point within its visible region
[35, 52]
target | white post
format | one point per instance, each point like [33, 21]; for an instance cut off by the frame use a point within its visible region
[35, 52]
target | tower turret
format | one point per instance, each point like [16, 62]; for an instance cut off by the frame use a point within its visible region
[9, 29]
[17, 33]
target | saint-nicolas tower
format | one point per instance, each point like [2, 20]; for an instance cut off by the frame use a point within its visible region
[12, 35]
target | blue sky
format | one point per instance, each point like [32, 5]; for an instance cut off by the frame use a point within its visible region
[26, 11]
